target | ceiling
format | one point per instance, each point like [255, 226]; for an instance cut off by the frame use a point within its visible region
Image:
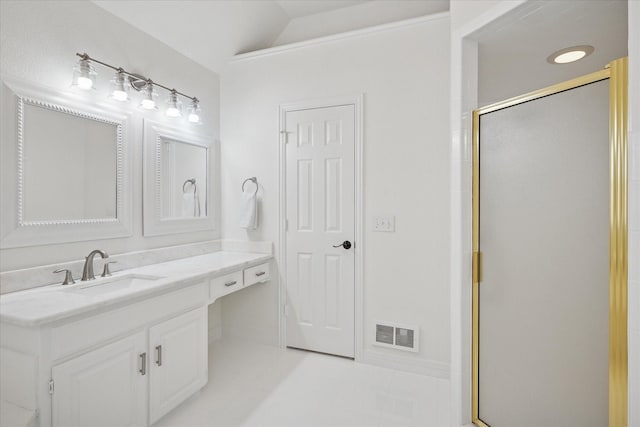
[297, 8]
[513, 50]
[211, 32]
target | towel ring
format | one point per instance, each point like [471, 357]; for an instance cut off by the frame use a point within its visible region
[252, 179]
[190, 181]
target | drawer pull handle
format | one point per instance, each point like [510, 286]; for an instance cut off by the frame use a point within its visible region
[231, 283]
[143, 367]
[261, 273]
[159, 355]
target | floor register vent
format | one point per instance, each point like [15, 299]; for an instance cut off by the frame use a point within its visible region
[397, 336]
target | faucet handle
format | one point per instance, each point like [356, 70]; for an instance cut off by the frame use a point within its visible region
[105, 270]
[68, 278]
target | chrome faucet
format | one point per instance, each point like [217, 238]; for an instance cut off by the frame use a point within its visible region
[87, 270]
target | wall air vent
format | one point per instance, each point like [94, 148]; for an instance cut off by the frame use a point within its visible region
[396, 336]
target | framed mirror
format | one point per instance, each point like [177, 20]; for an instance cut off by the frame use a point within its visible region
[65, 169]
[178, 195]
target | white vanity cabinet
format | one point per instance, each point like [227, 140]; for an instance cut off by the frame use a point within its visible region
[103, 387]
[124, 366]
[178, 368]
[110, 386]
[257, 274]
[89, 359]
[223, 285]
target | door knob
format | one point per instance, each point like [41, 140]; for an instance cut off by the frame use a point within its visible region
[346, 244]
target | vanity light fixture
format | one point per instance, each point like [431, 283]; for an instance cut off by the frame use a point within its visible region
[174, 106]
[570, 54]
[148, 101]
[84, 77]
[194, 111]
[119, 90]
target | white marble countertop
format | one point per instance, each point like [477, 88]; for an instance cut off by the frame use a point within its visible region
[46, 304]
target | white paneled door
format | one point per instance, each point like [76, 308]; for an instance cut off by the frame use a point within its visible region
[320, 184]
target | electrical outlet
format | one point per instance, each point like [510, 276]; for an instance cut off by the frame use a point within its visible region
[384, 223]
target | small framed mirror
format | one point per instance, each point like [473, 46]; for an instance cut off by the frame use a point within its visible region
[65, 171]
[178, 195]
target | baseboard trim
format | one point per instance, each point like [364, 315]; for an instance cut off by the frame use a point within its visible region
[426, 367]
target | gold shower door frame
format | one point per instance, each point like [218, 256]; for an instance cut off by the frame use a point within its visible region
[616, 72]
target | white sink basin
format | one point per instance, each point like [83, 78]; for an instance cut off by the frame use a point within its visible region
[111, 284]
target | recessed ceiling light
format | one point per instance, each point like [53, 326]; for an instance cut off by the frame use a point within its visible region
[570, 54]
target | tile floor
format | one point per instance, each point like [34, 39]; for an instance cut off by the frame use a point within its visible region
[262, 386]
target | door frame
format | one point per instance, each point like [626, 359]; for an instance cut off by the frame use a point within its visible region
[357, 101]
[616, 72]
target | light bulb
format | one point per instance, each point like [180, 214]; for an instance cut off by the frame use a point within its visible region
[148, 104]
[194, 111]
[173, 105]
[119, 90]
[173, 112]
[85, 83]
[572, 56]
[194, 118]
[84, 75]
[120, 95]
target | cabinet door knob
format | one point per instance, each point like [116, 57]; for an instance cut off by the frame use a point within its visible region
[159, 355]
[231, 283]
[261, 273]
[143, 364]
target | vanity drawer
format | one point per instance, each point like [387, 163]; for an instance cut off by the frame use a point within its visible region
[95, 329]
[259, 273]
[224, 285]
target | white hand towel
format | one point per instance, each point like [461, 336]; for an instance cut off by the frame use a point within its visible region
[188, 203]
[249, 214]
[196, 204]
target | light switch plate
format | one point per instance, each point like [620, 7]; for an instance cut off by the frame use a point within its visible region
[384, 223]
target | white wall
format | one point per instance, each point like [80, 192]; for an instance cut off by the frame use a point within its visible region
[39, 41]
[466, 16]
[404, 76]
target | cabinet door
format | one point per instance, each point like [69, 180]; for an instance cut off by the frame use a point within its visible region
[105, 387]
[178, 350]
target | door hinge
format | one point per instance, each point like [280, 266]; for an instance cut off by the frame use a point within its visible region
[50, 386]
[286, 136]
[286, 225]
[477, 267]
